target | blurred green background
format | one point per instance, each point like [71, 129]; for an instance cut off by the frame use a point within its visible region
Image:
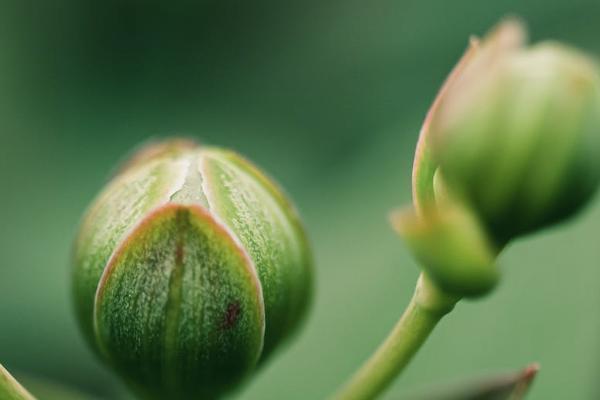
[327, 96]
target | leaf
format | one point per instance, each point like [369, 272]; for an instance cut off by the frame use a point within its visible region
[503, 387]
[10, 389]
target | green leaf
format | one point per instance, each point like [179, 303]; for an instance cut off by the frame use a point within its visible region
[512, 386]
[10, 389]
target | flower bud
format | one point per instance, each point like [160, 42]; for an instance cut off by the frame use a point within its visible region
[510, 145]
[517, 132]
[190, 268]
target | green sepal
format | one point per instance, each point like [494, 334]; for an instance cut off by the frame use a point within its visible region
[269, 228]
[120, 206]
[178, 310]
[451, 247]
[425, 165]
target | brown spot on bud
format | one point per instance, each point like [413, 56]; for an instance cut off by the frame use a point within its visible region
[231, 315]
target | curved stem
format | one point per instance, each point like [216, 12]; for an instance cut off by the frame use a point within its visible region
[427, 306]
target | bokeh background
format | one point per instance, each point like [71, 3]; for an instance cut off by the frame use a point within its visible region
[326, 95]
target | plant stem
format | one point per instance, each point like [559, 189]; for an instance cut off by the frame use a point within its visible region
[427, 306]
[10, 389]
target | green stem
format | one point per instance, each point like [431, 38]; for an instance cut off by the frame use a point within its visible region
[427, 306]
[10, 389]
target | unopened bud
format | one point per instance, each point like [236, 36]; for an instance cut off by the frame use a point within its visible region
[190, 268]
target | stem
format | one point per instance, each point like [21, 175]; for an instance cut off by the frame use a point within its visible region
[427, 306]
[10, 389]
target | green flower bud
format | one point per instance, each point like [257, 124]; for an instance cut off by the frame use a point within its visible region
[510, 145]
[517, 132]
[190, 268]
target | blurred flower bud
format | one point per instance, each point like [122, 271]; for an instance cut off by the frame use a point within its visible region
[510, 145]
[189, 269]
[517, 132]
